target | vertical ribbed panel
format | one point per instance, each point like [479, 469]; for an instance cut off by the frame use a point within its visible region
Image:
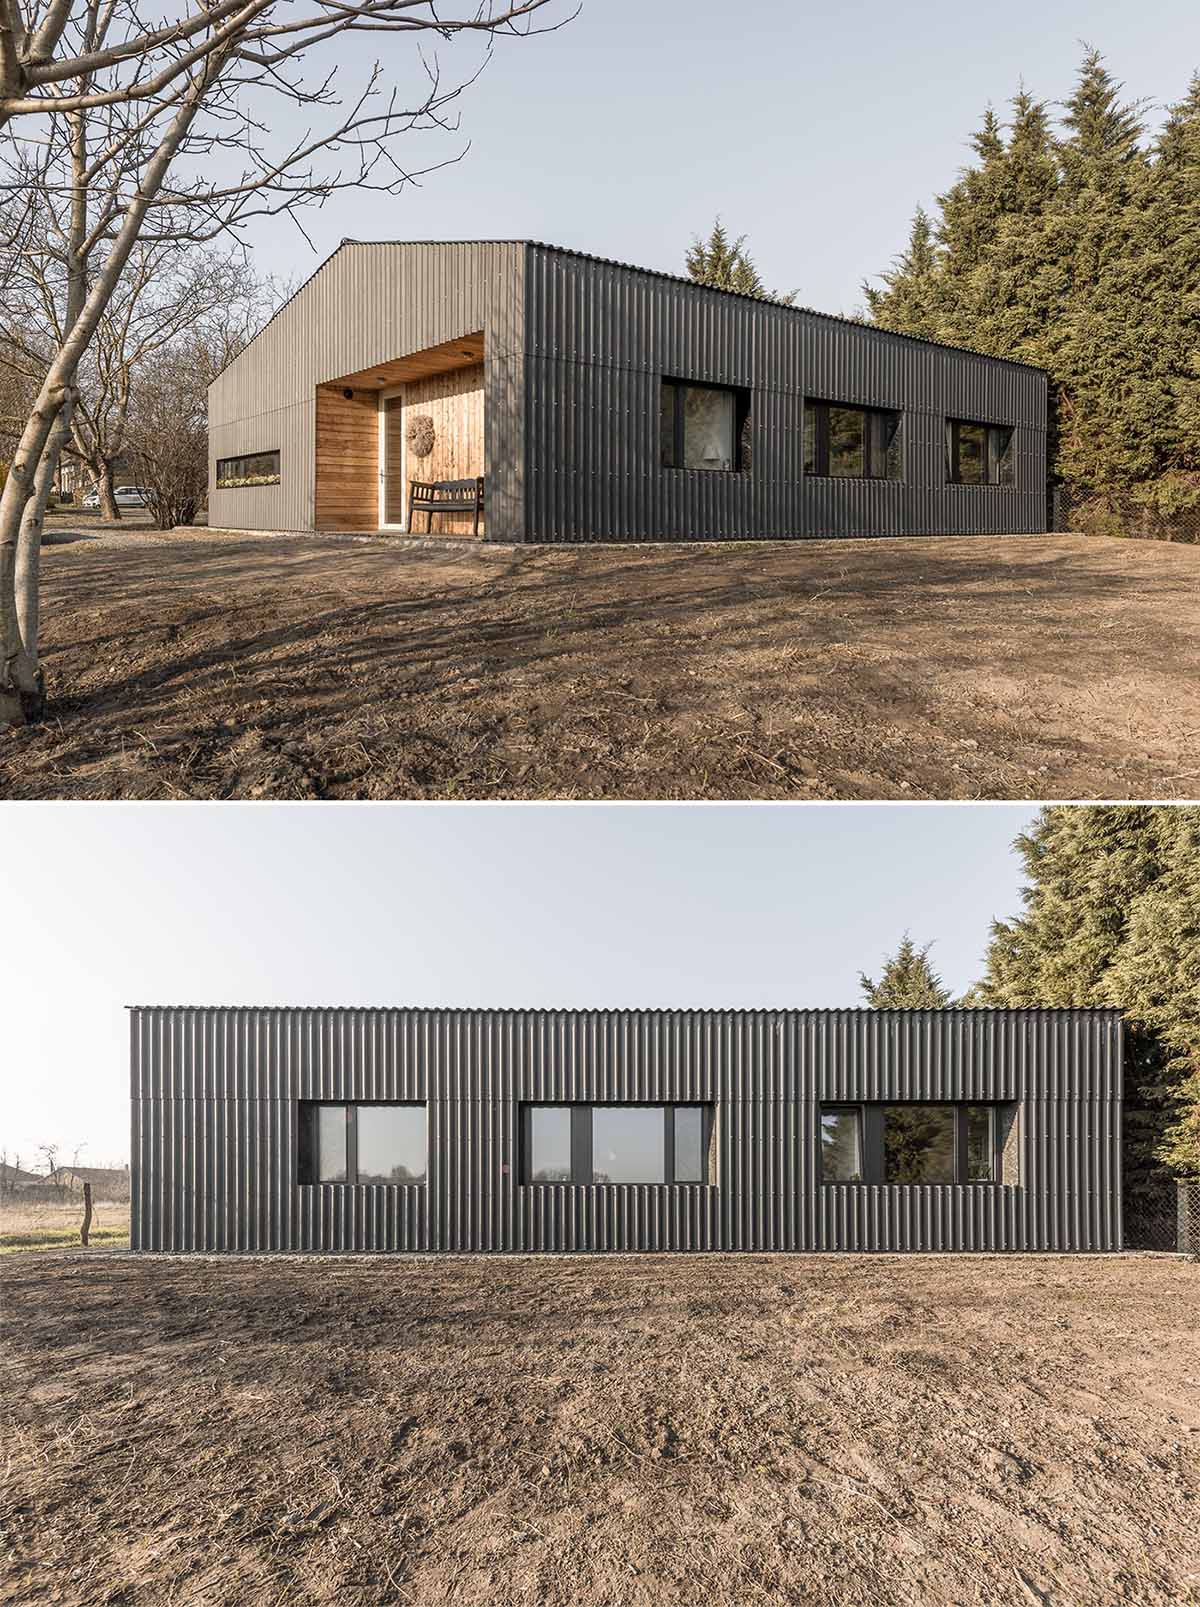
[371, 303]
[601, 336]
[575, 348]
[216, 1094]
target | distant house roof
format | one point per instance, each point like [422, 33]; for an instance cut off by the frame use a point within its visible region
[95, 1175]
[15, 1174]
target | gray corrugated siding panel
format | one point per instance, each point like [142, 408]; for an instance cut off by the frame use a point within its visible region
[215, 1091]
[601, 336]
[368, 304]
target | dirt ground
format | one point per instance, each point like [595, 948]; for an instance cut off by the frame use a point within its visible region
[723, 1430]
[222, 666]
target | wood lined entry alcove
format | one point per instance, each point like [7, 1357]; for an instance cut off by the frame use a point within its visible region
[454, 402]
[446, 384]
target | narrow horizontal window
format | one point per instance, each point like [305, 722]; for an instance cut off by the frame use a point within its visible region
[843, 442]
[256, 468]
[604, 1144]
[979, 454]
[919, 1143]
[704, 427]
[380, 1144]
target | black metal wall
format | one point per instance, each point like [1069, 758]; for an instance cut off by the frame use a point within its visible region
[600, 336]
[215, 1104]
[575, 351]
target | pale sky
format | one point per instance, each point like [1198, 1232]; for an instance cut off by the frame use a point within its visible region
[814, 129]
[428, 904]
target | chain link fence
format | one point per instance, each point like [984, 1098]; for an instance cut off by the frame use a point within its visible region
[1171, 1222]
[1118, 515]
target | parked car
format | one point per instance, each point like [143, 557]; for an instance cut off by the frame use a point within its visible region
[125, 496]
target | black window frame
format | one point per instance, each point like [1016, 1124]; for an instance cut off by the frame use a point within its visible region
[996, 451]
[582, 1160]
[816, 409]
[245, 480]
[872, 1116]
[305, 1148]
[742, 427]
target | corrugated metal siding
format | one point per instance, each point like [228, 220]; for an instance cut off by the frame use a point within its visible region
[600, 336]
[370, 303]
[216, 1091]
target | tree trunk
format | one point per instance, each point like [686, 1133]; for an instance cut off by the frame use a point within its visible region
[29, 548]
[20, 685]
[87, 1215]
[104, 484]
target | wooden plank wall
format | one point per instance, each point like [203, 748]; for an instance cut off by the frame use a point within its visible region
[347, 467]
[454, 401]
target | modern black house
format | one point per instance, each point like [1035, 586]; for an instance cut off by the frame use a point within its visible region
[624, 1130]
[599, 402]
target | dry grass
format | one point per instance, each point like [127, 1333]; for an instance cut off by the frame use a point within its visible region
[724, 1430]
[219, 666]
[47, 1224]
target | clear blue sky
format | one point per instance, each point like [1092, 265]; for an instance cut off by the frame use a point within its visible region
[530, 904]
[815, 129]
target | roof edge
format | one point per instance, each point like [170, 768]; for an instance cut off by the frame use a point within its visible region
[645, 1010]
[649, 273]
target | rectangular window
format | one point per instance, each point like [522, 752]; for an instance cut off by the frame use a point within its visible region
[981, 1144]
[362, 1143]
[600, 1144]
[852, 443]
[391, 1143]
[841, 1144]
[331, 1144]
[704, 427]
[690, 1159]
[979, 454]
[550, 1144]
[629, 1144]
[256, 468]
[919, 1143]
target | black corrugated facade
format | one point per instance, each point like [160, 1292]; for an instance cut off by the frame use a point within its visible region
[576, 350]
[217, 1095]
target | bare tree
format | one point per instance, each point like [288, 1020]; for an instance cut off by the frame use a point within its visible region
[155, 306]
[168, 433]
[149, 132]
[49, 1153]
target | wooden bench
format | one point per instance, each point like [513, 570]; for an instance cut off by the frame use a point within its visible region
[445, 496]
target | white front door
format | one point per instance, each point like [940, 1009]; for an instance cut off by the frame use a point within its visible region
[393, 488]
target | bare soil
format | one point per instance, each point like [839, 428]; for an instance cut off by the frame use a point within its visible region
[842, 1430]
[225, 666]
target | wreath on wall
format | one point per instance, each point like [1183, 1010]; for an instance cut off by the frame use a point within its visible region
[420, 435]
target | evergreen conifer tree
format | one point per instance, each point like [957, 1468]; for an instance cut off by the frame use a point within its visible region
[1112, 917]
[725, 264]
[908, 302]
[907, 981]
[1078, 249]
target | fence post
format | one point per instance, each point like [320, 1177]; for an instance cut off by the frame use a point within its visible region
[87, 1214]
